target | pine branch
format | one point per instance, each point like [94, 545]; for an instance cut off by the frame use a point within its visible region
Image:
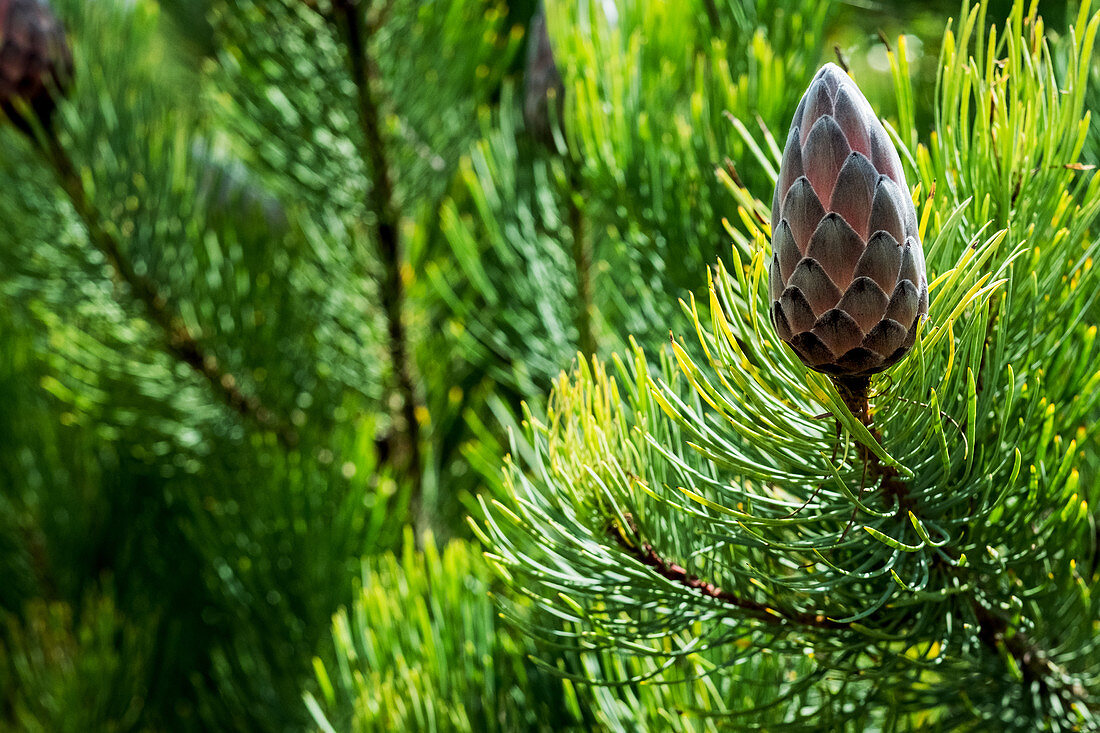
[994, 629]
[646, 555]
[180, 342]
[1034, 663]
[384, 228]
[855, 393]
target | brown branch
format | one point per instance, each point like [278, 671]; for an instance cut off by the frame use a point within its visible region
[645, 554]
[1035, 664]
[855, 392]
[384, 229]
[179, 340]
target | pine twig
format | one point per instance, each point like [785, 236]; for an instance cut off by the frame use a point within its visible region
[855, 392]
[1034, 663]
[180, 342]
[994, 629]
[646, 555]
[384, 229]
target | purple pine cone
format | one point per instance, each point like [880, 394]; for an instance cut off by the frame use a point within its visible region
[35, 59]
[847, 279]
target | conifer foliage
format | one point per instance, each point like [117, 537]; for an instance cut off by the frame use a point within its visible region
[282, 282]
[929, 564]
[212, 407]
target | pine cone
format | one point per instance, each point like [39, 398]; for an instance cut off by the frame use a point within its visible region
[847, 279]
[35, 59]
[542, 82]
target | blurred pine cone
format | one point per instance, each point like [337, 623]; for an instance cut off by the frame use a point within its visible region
[542, 83]
[35, 59]
[847, 278]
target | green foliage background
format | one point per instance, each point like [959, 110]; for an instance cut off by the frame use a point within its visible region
[288, 279]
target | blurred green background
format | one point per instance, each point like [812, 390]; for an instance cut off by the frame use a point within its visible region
[380, 241]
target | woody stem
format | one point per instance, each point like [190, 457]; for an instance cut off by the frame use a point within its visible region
[854, 391]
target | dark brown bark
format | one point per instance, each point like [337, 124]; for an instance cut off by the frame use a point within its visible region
[350, 17]
[645, 554]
